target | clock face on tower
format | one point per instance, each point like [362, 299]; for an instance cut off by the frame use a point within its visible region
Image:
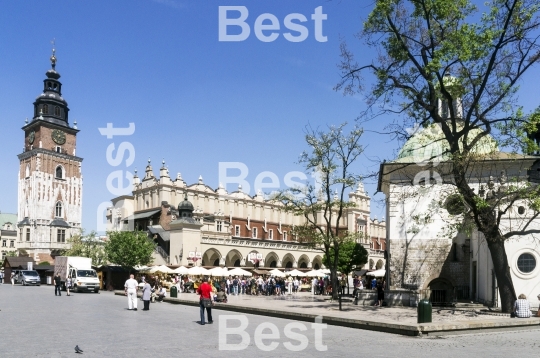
[31, 137]
[58, 136]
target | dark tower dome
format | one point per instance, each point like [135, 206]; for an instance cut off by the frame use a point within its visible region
[185, 209]
[50, 106]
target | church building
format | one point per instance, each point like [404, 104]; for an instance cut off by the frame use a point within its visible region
[426, 252]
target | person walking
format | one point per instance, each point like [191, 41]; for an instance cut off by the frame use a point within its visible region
[12, 278]
[130, 288]
[205, 300]
[380, 293]
[146, 295]
[69, 282]
[57, 285]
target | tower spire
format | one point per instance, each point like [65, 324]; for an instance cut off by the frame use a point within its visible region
[53, 57]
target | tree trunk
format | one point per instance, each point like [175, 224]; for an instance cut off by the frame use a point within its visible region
[334, 281]
[502, 272]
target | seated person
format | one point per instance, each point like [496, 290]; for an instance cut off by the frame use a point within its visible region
[522, 307]
[221, 297]
[161, 294]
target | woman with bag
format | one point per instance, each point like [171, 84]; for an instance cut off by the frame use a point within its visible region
[205, 300]
[146, 296]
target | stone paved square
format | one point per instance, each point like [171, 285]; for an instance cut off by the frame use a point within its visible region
[35, 323]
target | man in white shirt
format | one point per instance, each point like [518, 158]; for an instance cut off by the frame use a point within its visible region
[130, 288]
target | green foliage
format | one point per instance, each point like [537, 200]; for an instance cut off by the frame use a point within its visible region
[87, 246]
[464, 54]
[330, 156]
[11, 253]
[129, 248]
[351, 255]
[44, 263]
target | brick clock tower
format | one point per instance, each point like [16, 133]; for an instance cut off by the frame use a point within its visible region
[50, 179]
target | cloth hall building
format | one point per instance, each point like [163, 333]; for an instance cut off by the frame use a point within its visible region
[198, 225]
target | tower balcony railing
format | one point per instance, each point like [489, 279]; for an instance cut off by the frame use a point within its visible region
[42, 245]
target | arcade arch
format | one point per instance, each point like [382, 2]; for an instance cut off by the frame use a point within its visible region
[303, 262]
[316, 263]
[211, 257]
[233, 258]
[288, 261]
[271, 260]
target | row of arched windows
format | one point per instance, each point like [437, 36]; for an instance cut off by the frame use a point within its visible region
[45, 110]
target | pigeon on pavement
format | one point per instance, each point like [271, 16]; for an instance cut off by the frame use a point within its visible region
[77, 349]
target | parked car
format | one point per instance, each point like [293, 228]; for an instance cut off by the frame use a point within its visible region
[28, 277]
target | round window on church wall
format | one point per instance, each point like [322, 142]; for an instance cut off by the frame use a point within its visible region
[521, 210]
[454, 205]
[526, 263]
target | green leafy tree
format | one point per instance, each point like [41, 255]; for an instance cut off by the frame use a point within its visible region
[330, 155]
[352, 255]
[44, 263]
[12, 253]
[87, 246]
[129, 248]
[469, 58]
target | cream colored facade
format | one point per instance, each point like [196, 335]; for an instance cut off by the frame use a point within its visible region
[230, 229]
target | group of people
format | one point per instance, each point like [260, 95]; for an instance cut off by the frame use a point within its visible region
[374, 284]
[151, 292]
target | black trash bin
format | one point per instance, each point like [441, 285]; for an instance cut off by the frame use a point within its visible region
[174, 291]
[424, 311]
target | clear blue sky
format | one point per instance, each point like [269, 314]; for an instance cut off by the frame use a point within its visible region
[195, 101]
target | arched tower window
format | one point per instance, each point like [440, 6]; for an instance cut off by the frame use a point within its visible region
[59, 173]
[57, 111]
[27, 171]
[45, 109]
[58, 210]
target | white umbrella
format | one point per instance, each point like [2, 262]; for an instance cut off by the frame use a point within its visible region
[181, 270]
[198, 270]
[325, 271]
[315, 273]
[377, 273]
[164, 269]
[144, 269]
[295, 273]
[219, 272]
[152, 269]
[277, 273]
[237, 271]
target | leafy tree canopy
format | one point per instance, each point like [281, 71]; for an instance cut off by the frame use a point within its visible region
[87, 246]
[129, 248]
[352, 255]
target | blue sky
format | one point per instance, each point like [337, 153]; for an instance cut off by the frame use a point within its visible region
[195, 101]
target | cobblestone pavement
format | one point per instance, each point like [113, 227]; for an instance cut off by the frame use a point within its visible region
[306, 302]
[35, 323]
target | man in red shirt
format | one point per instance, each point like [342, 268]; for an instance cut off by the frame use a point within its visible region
[205, 292]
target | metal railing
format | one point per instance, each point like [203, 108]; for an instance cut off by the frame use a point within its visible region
[161, 252]
[446, 297]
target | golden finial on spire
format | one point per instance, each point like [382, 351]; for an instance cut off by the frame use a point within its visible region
[53, 57]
